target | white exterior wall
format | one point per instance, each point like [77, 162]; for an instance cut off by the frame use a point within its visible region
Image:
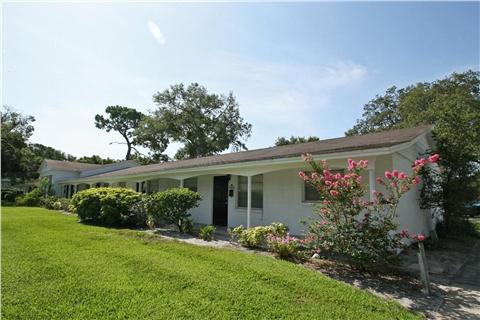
[59, 176]
[204, 212]
[411, 216]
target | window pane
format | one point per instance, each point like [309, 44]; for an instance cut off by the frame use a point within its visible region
[190, 183]
[311, 194]
[257, 191]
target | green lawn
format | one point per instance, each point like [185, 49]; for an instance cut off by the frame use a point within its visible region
[56, 268]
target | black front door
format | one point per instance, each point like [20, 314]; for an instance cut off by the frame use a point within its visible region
[220, 200]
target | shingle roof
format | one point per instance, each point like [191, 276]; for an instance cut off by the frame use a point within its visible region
[367, 141]
[70, 165]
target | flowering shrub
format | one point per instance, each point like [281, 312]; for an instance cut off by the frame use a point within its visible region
[256, 237]
[362, 231]
[285, 247]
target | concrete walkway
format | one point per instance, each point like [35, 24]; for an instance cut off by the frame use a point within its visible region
[462, 298]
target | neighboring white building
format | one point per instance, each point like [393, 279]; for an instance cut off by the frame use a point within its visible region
[261, 186]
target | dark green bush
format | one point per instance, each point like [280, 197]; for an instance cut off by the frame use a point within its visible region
[109, 206]
[172, 206]
[34, 198]
[10, 194]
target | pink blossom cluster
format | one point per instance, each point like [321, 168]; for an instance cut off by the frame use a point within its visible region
[360, 164]
[420, 163]
[418, 237]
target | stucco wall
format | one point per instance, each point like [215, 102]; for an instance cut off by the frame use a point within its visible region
[411, 216]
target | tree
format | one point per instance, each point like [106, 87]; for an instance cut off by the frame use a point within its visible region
[203, 122]
[16, 128]
[452, 105]
[282, 141]
[124, 120]
[95, 159]
[380, 113]
[151, 134]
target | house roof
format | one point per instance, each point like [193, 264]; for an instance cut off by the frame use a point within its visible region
[363, 142]
[69, 165]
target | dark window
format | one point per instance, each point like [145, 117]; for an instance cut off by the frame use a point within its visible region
[257, 191]
[191, 183]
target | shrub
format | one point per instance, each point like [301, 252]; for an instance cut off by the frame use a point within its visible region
[256, 237]
[55, 203]
[10, 194]
[172, 206]
[206, 233]
[109, 206]
[34, 198]
[363, 231]
[284, 247]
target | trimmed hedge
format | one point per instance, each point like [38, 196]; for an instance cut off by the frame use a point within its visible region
[256, 237]
[110, 206]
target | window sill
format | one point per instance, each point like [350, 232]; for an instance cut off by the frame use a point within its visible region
[254, 210]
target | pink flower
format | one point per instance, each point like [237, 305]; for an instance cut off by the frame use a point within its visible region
[433, 158]
[379, 180]
[419, 237]
[388, 175]
[338, 176]
[302, 175]
[404, 233]
[402, 176]
[393, 184]
[359, 179]
[307, 157]
[328, 182]
[395, 173]
[363, 164]
[351, 164]
[416, 180]
[314, 176]
[334, 193]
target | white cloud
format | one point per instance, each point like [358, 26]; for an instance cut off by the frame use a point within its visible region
[285, 98]
[156, 33]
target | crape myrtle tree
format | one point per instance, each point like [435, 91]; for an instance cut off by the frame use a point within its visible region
[205, 123]
[452, 106]
[123, 120]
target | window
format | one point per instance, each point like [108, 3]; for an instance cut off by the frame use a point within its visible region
[257, 191]
[191, 183]
[310, 194]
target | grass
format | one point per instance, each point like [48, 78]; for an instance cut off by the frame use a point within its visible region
[56, 268]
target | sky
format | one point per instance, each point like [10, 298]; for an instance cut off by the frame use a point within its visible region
[295, 68]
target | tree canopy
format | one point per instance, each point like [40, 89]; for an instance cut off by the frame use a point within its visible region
[282, 141]
[452, 105]
[205, 123]
[16, 129]
[123, 120]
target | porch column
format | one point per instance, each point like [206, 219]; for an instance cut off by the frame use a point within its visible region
[249, 200]
[371, 183]
[181, 183]
[75, 188]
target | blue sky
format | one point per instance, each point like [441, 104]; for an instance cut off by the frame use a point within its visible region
[295, 68]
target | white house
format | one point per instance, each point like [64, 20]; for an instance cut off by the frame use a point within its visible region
[257, 187]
